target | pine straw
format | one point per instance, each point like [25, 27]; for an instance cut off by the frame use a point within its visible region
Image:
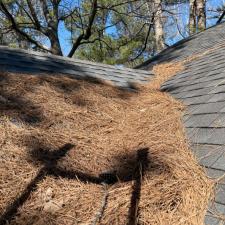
[164, 72]
[107, 127]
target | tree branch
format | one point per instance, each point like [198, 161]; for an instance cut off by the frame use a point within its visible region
[88, 31]
[146, 39]
[18, 30]
[33, 13]
[221, 17]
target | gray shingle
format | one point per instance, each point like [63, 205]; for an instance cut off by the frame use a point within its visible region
[220, 194]
[208, 136]
[217, 137]
[207, 155]
[190, 132]
[193, 93]
[207, 108]
[217, 97]
[204, 120]
[216, 174]
[219, 121]
[216, 209]
[15, 60]
[220, 163]
[218, 89]
[210, 220]
[202, 78]
[197, 100]
[190, 109]
[202, 85]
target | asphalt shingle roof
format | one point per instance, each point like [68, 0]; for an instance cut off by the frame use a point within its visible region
[192, 45]
[201, 86]
[16, 60]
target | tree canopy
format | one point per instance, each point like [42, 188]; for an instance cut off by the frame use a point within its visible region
[113, 32]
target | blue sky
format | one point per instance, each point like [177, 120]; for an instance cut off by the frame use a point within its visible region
[182, 13]
[64, 37]
[172, 36]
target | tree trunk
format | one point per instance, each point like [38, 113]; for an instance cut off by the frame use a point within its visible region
[197, 19]
[159, 35]
[52, 34]
[192, 17]
[155, 9]
[55, 46]
[201, 15]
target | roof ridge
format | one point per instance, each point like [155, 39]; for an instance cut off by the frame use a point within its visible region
[151, 59]
[67, 59]
[18, 61]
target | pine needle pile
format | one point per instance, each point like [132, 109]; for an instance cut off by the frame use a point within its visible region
[70, 153]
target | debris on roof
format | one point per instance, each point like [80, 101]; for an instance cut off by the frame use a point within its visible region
[164, 72]
[200, 86]
[84, 152]
[78, 150]
[16, 60]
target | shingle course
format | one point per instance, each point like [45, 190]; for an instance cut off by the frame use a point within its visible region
[15, 60]
[194, 45]
[202, 120]
[201, 86]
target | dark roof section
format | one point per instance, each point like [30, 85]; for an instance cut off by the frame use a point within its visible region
[190, 46]
[15, 60]
[201, 86]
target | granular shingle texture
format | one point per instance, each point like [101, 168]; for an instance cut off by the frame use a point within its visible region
[15, 60]
[192, 45]
[201, 86]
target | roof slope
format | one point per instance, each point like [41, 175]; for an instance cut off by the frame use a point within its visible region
[15, 60]
[187, 47]
[114, 129]
[201, 86]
